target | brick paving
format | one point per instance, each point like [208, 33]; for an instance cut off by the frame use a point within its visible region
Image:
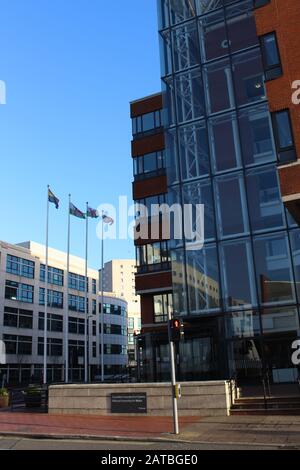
[70, 425]
[251, 430]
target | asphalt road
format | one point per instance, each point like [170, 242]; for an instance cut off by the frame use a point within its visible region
[7, 443]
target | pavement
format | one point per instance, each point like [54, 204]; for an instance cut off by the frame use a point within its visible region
[277, 431]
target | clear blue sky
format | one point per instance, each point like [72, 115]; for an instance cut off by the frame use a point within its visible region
[71, 67]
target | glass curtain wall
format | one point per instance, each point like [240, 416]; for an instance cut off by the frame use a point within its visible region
[221, 153]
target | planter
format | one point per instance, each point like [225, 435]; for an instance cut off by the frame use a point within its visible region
[4, 402]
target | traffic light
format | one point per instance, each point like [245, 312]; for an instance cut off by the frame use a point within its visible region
[176, 329]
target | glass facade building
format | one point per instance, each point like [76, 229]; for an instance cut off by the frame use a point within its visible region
[239, 295]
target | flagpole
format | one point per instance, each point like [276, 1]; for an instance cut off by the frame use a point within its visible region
[46, 291]
[67, 302]
[86, 364]
[102, 300]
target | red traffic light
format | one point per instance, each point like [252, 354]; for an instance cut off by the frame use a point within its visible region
[176, 323]
[176, 329]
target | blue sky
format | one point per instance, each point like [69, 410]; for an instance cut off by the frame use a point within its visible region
[70, 67]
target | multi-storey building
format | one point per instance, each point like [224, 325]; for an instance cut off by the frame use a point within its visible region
[231, 132]
[119, 278]
[22, 301]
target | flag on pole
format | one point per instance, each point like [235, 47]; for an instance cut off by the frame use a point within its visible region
[52, 198]
[107, 220]
[92, 213]
[76, 212]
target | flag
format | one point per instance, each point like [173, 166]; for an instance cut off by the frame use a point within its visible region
[76, 212]
[107, 220]
[92, 213]
[53, 198]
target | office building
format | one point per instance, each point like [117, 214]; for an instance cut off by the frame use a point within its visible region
[227, 130]
[22, 301]
[119, 278]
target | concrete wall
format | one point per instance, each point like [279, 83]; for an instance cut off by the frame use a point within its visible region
[198, 398]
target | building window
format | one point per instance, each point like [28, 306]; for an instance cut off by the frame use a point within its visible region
[20, 266]
[149, 164]
[131, 338]
[17, 318]
[271, 57]
[273, 269]
[260, 3]
[131, 323]
[163, 306]
[55, 275]
[238, 274]
[94, 328]
[54, 347]
[256, 136]
[76, 326]
[94, 306]
[76, 303]
[147, 122]
[76, 350]
[94, 286]
[264, 199]
[77, 282]
[153, 257]
[19, 345]
[284, 136]
[55, 322]
[55, 298]
[18, 291]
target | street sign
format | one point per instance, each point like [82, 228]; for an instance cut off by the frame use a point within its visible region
[129, 403]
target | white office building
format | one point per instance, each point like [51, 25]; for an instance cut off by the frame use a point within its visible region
[119, 278]
[22, 310]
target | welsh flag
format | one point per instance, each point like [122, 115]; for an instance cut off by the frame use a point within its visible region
[76, 212]
[92, 213]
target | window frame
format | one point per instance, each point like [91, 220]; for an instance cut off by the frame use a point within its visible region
[270, 68]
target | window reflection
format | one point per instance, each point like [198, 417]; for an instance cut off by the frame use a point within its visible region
[219, 86]
[231, 204]
[203, 280]
[214, 41]
[256, 136]
[242, 324]
[241, 26]
[273, 269]
[248, 77]
[225, 143]
[194, 151]
[264, 199]
[238, 274]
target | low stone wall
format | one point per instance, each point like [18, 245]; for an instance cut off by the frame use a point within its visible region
[198, 398]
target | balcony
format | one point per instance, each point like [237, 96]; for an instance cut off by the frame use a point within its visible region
[154, 268]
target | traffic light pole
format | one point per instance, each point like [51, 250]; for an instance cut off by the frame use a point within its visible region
[173, 378]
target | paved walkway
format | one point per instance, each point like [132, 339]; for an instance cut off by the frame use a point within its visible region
[88, 426]
[250, 430]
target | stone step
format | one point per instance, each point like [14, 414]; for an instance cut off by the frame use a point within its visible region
[259, 400]
[275, 406]
[269, 412]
